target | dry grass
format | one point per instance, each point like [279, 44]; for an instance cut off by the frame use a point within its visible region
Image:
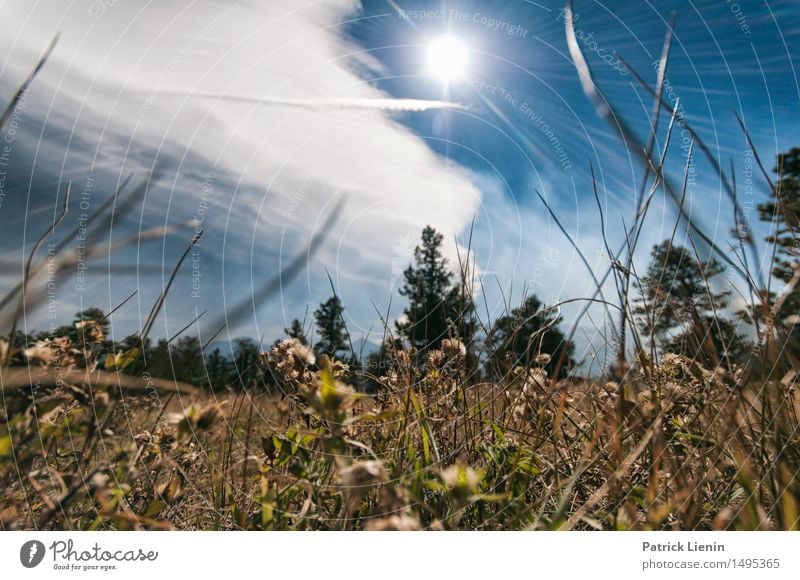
[676, 446]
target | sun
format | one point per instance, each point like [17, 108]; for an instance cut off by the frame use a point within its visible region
[448, 58]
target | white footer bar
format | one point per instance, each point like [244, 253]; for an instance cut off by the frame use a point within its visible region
[418, 555]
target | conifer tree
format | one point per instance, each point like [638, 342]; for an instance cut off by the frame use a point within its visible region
[783, 212]
[525, 333]
[682, 311]
[436, 309]
[331, 328]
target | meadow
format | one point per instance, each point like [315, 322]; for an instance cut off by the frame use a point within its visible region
[458, 422]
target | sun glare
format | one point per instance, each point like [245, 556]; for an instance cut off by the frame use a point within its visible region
[448, 58]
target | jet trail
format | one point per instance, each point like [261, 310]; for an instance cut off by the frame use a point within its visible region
[379, 104]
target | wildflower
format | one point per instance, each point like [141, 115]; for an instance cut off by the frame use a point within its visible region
[453, 349]
[332, 399]
[143, 439]
[100, 402]
[361, 475]
[392, 381]
[402, 359]
[672, 390]
[90, 331]
[188, 459]
[39, 354]
[166, 439]
[296, 352]
[461, 481]
[535, 382]
[98, 481]
[436, 359]
[52, 352]
[339, 368]
[520, 412]
[292, 361]
[542, 359]
[62, 343]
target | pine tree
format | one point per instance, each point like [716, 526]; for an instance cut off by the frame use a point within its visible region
[674, 290]
[181, 360]
[378, 362]
[526, 332]
[679, 307]
[331, 328]
[218, 371]
[296, 330]
[783, 211]
[427, 285]
[437, 309]
[245, 368]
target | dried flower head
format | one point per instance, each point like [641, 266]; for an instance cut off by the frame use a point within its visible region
[436, 359]
[361, 475]
[188, 459]
[90, 331]
[291, 360]
[39, 355]
[297, 351]
[402, 358]
[166, 438]
[53, 352]
[339, 369]
[453, 349]
[542, 359]
[143, 439]
[535, 382]
[98, 481]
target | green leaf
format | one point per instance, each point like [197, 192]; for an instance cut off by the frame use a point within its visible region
[121, 360]
[45, 406]
[154, 508]
[493, 497]
[6, 447]
[499, 432]
[527, 465]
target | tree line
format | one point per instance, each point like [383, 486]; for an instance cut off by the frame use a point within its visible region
[683, 307]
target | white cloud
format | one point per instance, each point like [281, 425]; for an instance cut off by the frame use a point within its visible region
[277, 171]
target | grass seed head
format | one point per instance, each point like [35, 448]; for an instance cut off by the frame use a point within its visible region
[90, 331]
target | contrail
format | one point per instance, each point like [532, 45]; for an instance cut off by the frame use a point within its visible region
[379, 104]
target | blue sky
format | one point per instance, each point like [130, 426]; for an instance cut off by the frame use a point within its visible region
[112, 101]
